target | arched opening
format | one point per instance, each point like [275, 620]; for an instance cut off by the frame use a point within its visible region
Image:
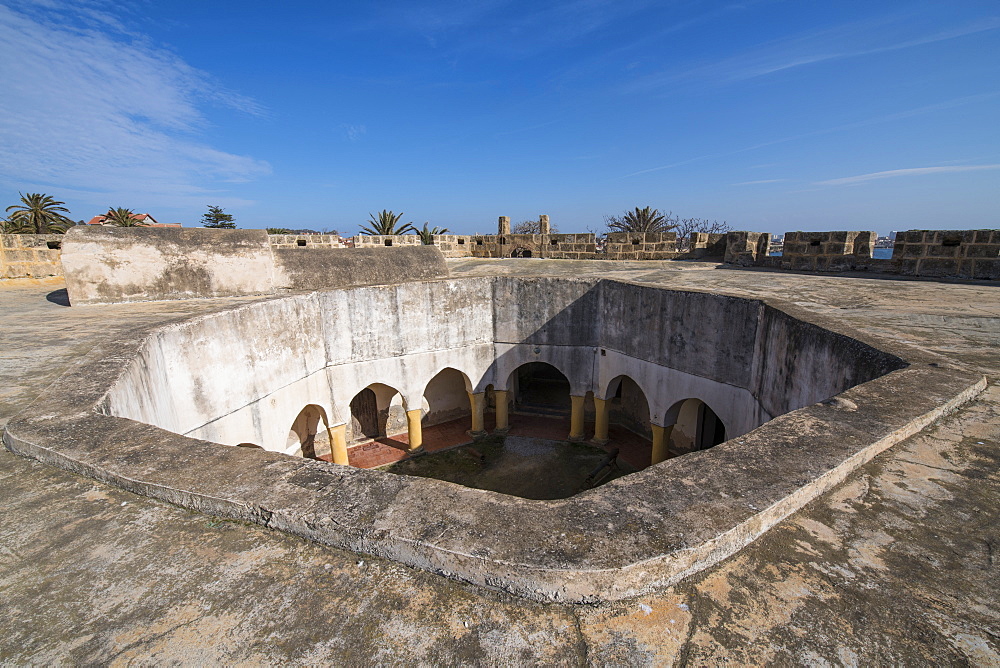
[446, 397]
[520, 251]
[376, 411]
[539, 387]
[628, 406]
[306, 438]
[697, 427]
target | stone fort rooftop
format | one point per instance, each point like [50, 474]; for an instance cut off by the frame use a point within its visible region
[905, 542]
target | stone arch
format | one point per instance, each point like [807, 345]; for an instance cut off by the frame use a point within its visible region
[628, 405]
[305, 434]
[377, 410]
[446, 396]
[695, 426]
[540, 387]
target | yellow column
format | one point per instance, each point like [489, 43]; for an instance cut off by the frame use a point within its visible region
[416, 435]
[661, 436]
[601, 421]
[503, 423]
[338, 443]
[477, 402]
[576, 419]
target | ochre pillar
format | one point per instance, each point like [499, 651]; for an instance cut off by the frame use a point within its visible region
[661, 436]
[503, 423]
[601, 421]
[338, 443]
[478, 403]
[415, 433]
[576, 419]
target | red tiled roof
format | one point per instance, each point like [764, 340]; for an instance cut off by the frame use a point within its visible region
[142, 217]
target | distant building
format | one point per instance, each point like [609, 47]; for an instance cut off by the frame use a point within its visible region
[144, 218]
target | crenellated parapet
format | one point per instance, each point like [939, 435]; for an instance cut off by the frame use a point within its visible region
[640, 246]
[30, 255]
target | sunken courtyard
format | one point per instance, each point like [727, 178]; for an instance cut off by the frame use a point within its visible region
[716, 463]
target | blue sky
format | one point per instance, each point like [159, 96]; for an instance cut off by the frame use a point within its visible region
[770, 115]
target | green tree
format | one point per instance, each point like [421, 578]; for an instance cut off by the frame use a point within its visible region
[385, 224]
[427, 235]
[122, 217]
[641, 221]
[8, 226]
[38, 213]
[278, 230]
[218, 218]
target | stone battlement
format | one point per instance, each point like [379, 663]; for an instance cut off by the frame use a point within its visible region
[971, 254]
[30, 255]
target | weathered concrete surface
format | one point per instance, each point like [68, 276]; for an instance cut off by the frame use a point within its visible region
[682, 515]
[106, 265]
[317, 268]
[952, 611]
[113, 265]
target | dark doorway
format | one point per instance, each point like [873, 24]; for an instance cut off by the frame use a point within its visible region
[711, 431]
[541, 388]
[364, 414]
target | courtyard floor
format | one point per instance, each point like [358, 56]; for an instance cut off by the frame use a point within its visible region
[633, 449]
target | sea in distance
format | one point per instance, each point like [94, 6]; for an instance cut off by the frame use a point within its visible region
[879, 254]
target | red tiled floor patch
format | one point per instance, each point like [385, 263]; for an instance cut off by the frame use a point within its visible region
[633, 449]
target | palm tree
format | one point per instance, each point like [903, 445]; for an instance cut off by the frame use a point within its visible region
[427, 235]
[38, 214]
[385, 224]
[641, 221]
[121, 217]
[11, 226]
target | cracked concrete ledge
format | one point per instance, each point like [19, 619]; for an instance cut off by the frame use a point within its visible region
[631, 536]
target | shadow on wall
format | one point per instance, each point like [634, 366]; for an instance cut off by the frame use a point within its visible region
[605, 345]
[304, 437]
[60, 297]
[710, 366]
[701, 368]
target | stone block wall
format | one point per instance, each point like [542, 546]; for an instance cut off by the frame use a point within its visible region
[30, 255]
[454, 245]
[746, 248]
[647, 246]
[305, 241]
[486, 245]
[827, 251]
[550, 246]
[705, 245]
[368, 241]
[569, 246]
[961, 253]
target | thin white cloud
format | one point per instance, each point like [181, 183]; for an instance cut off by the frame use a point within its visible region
[761, 181]
[913, 171]
[927, 109]
[90, 108]
[870, 38]
[354, 132]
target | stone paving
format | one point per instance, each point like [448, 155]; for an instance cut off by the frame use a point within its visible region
[895, 566]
